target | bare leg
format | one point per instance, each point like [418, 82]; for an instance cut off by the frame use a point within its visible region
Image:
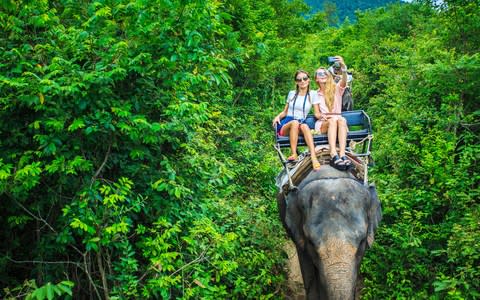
[308, 138]
[332, 136]
[311, 146]
[291, 128]
[342, 135]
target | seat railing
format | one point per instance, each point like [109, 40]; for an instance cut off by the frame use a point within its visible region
[359, 131]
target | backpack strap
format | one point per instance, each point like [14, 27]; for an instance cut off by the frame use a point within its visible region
[305, 101]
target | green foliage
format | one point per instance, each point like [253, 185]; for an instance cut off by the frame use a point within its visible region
[420, 90]
[30, 291]
[340, 11]
[121, 131]
[50, 291]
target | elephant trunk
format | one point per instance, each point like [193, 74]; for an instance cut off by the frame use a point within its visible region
[339, 268]
[341, 280]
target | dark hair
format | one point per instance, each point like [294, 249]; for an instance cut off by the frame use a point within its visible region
[296, 85]
[300, 71]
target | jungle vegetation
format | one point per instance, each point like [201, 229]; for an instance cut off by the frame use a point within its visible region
[340, 10]
[136, 156]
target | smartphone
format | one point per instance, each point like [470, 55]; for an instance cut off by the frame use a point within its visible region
[331, 59]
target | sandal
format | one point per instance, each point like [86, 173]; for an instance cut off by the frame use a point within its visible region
[316, 165]
[292, 157]
[347, 162]
[337, 163]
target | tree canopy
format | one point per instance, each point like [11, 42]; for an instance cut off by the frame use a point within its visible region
[339, 10]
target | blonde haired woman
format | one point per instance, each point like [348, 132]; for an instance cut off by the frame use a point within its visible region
[328, 114]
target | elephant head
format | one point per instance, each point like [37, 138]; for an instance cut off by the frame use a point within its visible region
[332, 219]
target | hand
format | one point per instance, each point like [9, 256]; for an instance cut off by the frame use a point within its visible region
[276, 121]
[340, 61]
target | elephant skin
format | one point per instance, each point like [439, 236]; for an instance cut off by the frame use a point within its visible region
[331, 218]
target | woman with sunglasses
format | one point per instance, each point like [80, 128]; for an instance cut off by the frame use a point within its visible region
[329, 119]
[291, 121]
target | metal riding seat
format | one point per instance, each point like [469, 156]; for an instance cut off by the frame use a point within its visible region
[359, 134]
[359, 129]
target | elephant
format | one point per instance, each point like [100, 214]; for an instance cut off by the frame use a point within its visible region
[332, 218]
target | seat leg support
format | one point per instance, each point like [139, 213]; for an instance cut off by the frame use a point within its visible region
[291, 186]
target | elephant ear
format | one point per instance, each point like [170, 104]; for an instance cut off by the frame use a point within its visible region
[374, 214]
[293, 218]
[282, 208]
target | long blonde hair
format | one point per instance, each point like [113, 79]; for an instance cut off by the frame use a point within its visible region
[330, 87]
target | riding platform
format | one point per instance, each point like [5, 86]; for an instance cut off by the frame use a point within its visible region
[359, 142]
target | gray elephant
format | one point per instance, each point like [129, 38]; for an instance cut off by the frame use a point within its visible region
[331, 218]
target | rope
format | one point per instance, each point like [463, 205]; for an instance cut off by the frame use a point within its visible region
[354, 143]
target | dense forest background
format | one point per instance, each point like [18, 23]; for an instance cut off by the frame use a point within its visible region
[337, 11]
[136, 155]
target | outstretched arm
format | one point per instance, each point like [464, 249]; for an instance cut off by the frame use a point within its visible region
[343, 81]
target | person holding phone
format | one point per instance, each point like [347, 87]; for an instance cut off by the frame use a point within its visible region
[336, 71]
[328, 113]
[291, 121]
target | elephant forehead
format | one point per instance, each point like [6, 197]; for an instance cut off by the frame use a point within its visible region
[330, 224]
[345, 196]
[335, 187]
[335, 208]
[333, 231]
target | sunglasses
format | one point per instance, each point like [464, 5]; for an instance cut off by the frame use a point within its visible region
[304, 78]
[321, 73]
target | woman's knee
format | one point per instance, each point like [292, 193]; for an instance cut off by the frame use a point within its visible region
[304, 127]
[294, 123]
[342, 122]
